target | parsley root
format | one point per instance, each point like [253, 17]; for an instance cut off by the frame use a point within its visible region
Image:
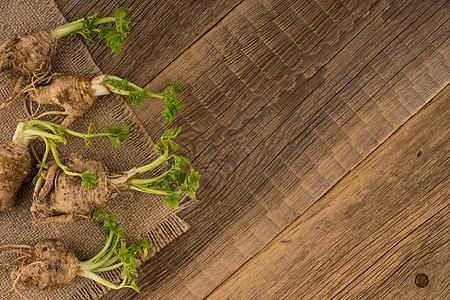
[15, 166]
[27, 58]
[50, 264]
[58, 197]
[76, 94]
[69, 92]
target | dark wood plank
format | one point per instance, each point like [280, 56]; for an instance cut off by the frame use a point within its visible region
[159, 33]
[282, 100]
[373, 233]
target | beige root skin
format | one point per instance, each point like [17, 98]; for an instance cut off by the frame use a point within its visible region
[25, 59]
[59, 198]
[50, 265]
[28, 55]
[71, 93]
[15, 166]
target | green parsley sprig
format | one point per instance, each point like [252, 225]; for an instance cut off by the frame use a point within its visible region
[115, 254]
[173, 181]
[86, 27]
[136, 94]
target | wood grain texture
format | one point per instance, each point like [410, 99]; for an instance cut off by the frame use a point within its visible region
[160, 31]
[282, 100]
[368, 238]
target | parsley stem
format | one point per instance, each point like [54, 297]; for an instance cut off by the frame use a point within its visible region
[128, 91]
[58, 161]
[86, 135]
[95, 277]
[108, 242]
[109, 268]
[70, 28]
[147, 190]
[44, 159]
[139, 181]
[41, 124]
[159, 161]
[110, 261]
[106, 258]
[39, 133]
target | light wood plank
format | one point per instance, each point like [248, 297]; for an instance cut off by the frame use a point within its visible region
[373, 233]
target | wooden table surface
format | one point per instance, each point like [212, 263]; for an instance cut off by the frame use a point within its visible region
[321, 131]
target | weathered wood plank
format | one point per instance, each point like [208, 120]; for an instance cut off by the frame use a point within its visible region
[278, 109]
[160, 32]
[369, 237]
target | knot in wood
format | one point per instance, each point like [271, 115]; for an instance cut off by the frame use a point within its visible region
[421, 280]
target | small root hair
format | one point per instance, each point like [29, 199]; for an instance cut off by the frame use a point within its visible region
[18, 277]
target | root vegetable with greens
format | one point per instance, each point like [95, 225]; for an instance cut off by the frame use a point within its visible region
[76, 94]
[27, 58]
[50, 264]
[15, 157]
[58, 197]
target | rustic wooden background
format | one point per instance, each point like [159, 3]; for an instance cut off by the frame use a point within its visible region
[321, 130]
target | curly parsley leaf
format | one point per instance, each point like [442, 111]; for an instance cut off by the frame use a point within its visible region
[162, 144]
[192, 183]
[172, 201]
[88, 179]
[121, 21]
[175, 180]
[87, 28]
[117, 135]
[115, 37]
[137, 96]
[172, 104]
[171, 133]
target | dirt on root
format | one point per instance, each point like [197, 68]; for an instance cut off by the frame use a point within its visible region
[59, 197]
[71, 93]
[29, 55]
[15, 166]
[50, 266]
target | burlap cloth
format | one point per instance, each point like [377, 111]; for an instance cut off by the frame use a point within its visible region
[140, 214]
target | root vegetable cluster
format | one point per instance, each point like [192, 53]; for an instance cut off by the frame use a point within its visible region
[75, 188]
